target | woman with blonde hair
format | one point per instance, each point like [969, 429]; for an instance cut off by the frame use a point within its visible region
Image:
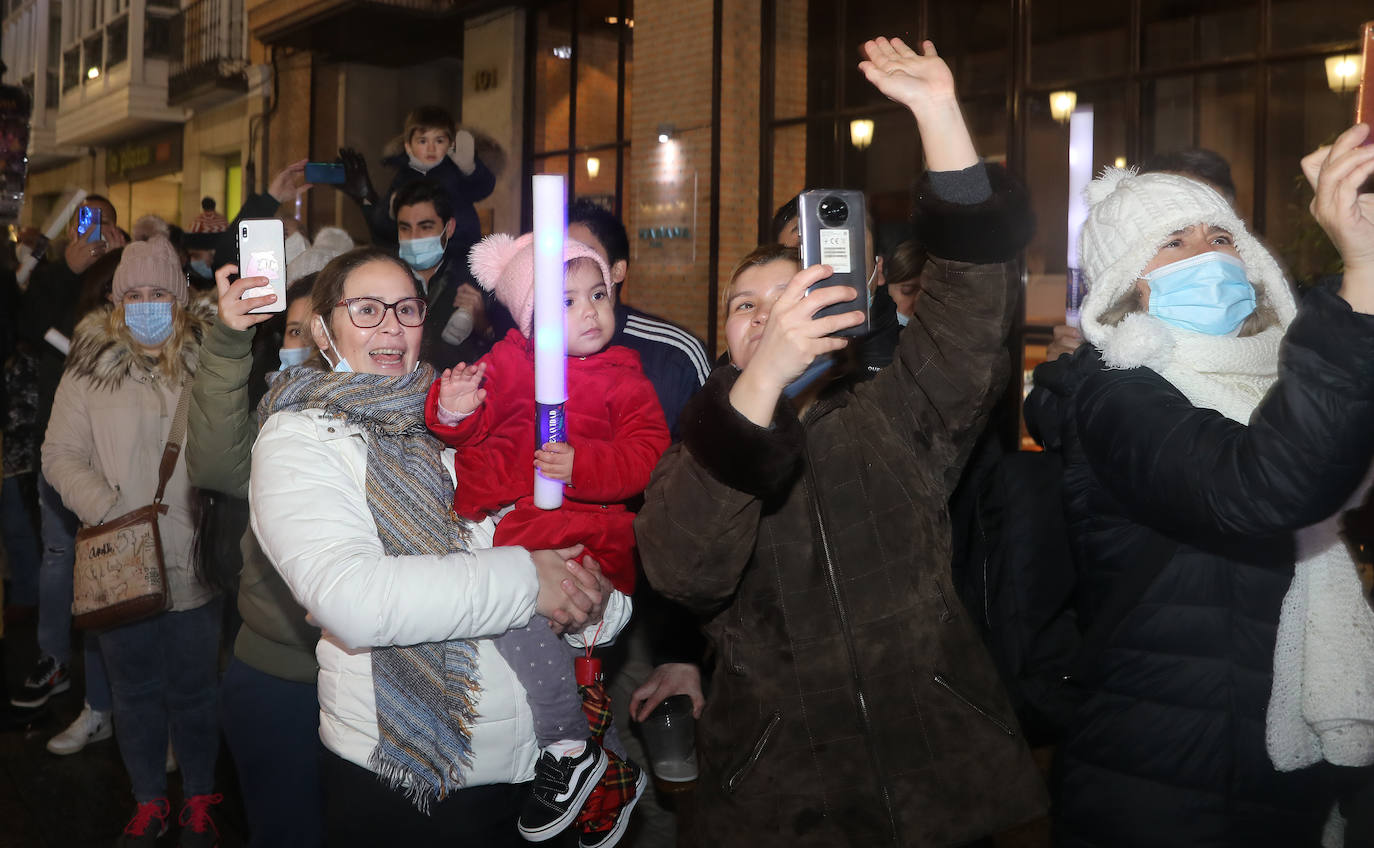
[130, 362]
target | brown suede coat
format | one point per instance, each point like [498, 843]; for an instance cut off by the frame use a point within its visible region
[852, 702]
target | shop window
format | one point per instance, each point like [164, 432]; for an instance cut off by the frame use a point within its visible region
[1178, 33]
[580, 68]
[71, 69]
[1078, 40]
[117, 41]
[1212, 110]
[93, 56]
[552, 76]
[974, 37]
[1304, 113]
[157, 36]
[1047, 176]
[1300, 23]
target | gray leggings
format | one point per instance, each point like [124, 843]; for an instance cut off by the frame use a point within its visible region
[543, 663]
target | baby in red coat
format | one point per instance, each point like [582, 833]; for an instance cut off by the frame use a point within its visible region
[616, 434]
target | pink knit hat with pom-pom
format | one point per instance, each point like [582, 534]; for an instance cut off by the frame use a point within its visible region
[505, 266]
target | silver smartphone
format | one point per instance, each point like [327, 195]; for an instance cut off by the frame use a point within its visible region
[262, 253]
[831, 223]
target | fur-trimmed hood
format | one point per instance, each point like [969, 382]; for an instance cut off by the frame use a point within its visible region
[107, 360]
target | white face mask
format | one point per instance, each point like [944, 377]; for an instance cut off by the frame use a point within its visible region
[342, 366]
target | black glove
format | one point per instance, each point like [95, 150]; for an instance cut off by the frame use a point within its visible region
[356, 183]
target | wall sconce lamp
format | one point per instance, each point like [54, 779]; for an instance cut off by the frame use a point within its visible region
[1343, 72]
[1062, 104]
[665, 133]
[593, 167]
[861, 133]
[92, 72]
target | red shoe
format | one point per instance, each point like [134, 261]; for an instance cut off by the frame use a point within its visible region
[607, 812]
[198, 828]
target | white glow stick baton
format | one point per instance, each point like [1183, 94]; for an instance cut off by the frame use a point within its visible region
[53, 229]
[550, 344]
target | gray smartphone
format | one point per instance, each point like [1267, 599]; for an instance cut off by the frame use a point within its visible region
[262, 253]
[831, 224]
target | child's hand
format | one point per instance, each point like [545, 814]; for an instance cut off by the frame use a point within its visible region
[555, 461]
[460, 388]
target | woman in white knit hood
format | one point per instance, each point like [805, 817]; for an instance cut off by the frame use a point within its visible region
[1208, 420]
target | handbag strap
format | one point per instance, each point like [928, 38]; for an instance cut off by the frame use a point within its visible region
[174, 437]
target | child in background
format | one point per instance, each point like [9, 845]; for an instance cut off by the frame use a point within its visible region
[616, 434]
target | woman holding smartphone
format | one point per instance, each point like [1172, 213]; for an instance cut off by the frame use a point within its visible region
[853, 703]
[1208, 419]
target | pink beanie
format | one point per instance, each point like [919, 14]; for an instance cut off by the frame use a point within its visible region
[505, 266]
[150, 263]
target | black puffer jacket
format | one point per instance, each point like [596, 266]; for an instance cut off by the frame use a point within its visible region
[1169, 749]
[853, 702]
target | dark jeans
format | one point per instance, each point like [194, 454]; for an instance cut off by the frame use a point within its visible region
[273, 730]
[55, 596]
[360, 810]
[164, 672]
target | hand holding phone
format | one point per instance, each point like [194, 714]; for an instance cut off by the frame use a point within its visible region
[329, 173]
[88, 223]
[262, 253]
[831, 223]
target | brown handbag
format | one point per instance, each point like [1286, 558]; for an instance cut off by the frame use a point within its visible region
[120, 576]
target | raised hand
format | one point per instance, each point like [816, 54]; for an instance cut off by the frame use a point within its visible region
[1347, 215]
[356, 184]
[460, 388]
[555, 461]
[284, 187]
[233, 310]
[923, 83]
[915, 80]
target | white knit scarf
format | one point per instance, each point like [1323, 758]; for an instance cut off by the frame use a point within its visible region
[1321, 706]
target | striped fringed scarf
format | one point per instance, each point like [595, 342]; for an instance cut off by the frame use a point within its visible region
[424, 728]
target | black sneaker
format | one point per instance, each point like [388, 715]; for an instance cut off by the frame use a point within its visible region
[147, 826]
[49, 678]
[561, 787]
[198, 829]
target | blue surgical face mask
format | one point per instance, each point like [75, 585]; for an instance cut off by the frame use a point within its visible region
[201, 268]
[342, 366]
[292, 356]
[422, 254]
[1207, 293]
[903, 320]
[149, 321]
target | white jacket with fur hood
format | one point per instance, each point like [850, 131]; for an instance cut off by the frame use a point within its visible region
[110, 419]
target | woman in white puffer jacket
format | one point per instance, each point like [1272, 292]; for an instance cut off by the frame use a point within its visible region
[350, 500]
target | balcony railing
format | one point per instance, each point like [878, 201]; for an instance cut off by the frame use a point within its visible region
[207, 49]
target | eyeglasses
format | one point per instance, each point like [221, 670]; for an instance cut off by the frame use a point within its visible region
[368, 312]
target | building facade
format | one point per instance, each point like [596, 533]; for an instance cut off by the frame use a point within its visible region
[693, 119]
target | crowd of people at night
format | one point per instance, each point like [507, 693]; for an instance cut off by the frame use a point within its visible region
[1156, 629]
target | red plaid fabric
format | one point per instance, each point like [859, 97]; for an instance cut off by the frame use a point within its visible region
[616, 788]
[613, 792]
